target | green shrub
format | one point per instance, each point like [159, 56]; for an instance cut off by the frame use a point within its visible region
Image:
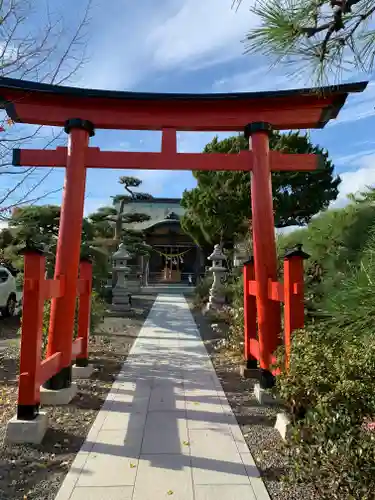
[202, 290]
[335, 241]
[330, 390]
[19, 281]
[98, 308]
[46, 317]
[96, 317]
[236, 327]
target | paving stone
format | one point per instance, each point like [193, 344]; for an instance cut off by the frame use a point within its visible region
[165, 397]
[225, 492]
[164, 476]
[215, 458]
[107, 493]
[259, 489]
[166, 427]
[113, 459]
[103, 469]
[166, 432]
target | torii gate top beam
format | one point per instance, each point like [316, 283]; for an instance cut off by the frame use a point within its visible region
[44, 104]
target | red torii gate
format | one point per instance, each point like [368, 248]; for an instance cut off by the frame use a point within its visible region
[80, 111]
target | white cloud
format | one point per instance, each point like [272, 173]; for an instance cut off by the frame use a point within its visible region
[92, 204]
[360, 158]
[355, 182]
[357, 107]
[262, 78]
[130, 43]
[199, 33]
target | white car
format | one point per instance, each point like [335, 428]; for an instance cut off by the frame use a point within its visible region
[8, 293]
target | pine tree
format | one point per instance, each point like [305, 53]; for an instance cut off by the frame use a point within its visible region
[325, 37]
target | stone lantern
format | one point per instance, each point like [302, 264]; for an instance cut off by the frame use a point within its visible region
[217, 293]
[120, 292]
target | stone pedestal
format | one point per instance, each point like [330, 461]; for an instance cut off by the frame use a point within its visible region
[120, 299]
[284, 425]
[50, 397]
[82, 371]
[262, 395]
[26, 431]
[133, 285]
[217, 293]
[247, 372]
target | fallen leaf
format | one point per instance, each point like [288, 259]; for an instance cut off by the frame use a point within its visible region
[133, 466]
[186, 443]
[170, 492]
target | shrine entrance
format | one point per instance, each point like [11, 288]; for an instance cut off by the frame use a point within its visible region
[81, 111]
[174, 255]
[173, 264]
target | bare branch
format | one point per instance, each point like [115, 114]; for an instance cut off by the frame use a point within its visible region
[35, 45]
[71, 44]
[16, 186]
[25, 202]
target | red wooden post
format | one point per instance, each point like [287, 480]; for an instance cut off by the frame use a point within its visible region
[250, 314]
[294, 310]
[68, 251]
[31, 337]
[264, 245]
[84, 312]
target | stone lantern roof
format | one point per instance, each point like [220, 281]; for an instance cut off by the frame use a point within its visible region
[217, 254]
[122, 253]
[217, 258]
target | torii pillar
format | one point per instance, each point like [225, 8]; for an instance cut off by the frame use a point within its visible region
[264, 247]
[68, 251]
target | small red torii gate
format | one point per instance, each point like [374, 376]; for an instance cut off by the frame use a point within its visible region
[80, 111]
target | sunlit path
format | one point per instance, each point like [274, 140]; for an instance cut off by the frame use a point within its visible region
[166, 429]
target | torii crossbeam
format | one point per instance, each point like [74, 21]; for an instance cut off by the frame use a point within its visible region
[80, 111]
[168, 159]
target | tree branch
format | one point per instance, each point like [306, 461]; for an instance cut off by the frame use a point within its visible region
[305, 32]
[42, 53]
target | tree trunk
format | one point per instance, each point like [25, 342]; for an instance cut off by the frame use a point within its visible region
[118, 227]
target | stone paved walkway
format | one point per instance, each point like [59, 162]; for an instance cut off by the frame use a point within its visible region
[166, 429]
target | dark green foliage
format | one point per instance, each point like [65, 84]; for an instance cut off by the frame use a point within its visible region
[109, 221]
[96, 317]
[202, 290]
[330, 387]
[326, 39]
[331, 383]
[39, 226]
[236, 328]
[331, 379]
[219, 208]
[6, 238]
[335, 241]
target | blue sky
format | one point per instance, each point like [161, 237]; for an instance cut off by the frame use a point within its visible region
[192, 46]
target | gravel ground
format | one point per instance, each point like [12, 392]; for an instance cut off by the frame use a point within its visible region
[256, 421]
[9, 332]
[37, 471]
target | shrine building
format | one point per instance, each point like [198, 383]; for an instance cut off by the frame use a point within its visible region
[174, 254]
